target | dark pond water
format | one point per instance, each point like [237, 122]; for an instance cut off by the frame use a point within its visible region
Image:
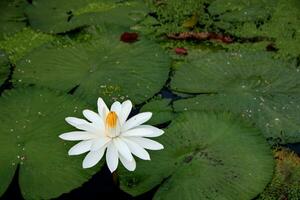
[100, 186]
[294, 147]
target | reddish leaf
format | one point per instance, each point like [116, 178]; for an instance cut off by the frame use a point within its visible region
[227, 39]
[129, 37]
[222, 38]
[181, 51]
[201, 36]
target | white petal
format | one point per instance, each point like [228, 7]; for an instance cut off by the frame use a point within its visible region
[136, 120]
[123, 148]
[137, 149]
[77, 135]
[147, 143]
[82, 124]
[144, 131]
[125, 111]
[129, 165]
[81, 147]
[94, 118]
[102, 108]
[112, 157]
[156, 132]
[99, 143]
[116, 107]
[92, 158]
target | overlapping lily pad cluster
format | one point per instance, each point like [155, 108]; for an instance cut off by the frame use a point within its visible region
[233, 94]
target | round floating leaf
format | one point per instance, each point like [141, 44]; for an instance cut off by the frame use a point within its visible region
[161, 109]
[252, 84]
[240, 11]
[19, 44]
[206, 156]
[57, 16]
[31, 121]
[276, 22]
[105, 67]
[12, 16]
[4, 67]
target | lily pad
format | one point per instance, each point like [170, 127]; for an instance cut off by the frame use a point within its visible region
[206, 156]
[173, 16]
[275, 21]
[31, 120]
[106, 67]
[161, 109]
[19, 44]
[241, 11]
[12, 16]
[251, 84]
[4, 67]
[58, 16]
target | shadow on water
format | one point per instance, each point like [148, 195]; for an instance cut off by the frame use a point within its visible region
[13, 192]
[100, 186]
[294, 147]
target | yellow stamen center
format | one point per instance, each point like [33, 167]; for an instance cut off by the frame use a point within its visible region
[111, 119]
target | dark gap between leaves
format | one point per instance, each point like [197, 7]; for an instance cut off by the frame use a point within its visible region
[7, 85]
[73, 32]
[294, 147]
[13, 191]
[72, 91]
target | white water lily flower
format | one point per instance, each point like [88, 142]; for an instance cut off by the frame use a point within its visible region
[111, 131]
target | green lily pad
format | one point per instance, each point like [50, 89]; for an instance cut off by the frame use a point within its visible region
[173, 16]
[206, 156]
[4, 67]
[19, 44]
[58, 16]
[275, 21]
[241, 11]
[31, 120]
[12, 16]
[251, 84]
[106, 67]
[161, 109]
